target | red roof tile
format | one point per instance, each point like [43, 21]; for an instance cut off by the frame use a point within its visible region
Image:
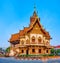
[57, 46]
[14, 37]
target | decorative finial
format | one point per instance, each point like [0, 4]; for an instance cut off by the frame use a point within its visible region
[35, 7]
[35, 13]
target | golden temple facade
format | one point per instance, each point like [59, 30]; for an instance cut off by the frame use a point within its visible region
[31, 40]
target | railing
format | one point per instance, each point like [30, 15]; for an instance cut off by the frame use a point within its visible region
[32, 43]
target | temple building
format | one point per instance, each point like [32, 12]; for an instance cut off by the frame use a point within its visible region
[31, 40]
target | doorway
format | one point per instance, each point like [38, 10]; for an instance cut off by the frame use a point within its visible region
[26, 52]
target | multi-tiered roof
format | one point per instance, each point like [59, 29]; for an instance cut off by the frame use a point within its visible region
[33, 20]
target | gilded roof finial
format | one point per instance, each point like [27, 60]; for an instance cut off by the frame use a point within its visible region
[34, 7]
[34, 14]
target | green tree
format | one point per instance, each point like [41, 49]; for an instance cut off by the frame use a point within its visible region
[0, 49]
[52, 51]
[8, 49]
[58, 50]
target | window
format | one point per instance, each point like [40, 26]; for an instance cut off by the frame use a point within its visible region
[39, 50]
[33, 50]
[39, 39]
[33, 39]
[22, 42]
[27, 41]
[22, 51]
[47, 43]
[46, 51]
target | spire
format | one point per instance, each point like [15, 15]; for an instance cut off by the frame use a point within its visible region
[34, 7]
[34, 13]
[34, 17]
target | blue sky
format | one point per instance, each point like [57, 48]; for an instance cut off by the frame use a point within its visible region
[15, 14]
